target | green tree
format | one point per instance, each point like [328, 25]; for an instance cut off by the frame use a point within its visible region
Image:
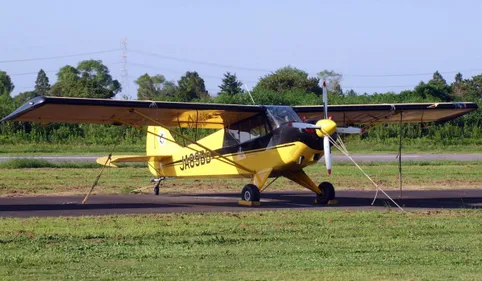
[458, 78]
[433, 91]
[24, 97]
[191, 87]
[6, 84]
[332, 79]
[458, 86]
[473, 88]
[42, 86]
[437, 79]
[155, 88]
[289, 79]
[169, 90]
[91, 79]
[6, 88]
[230, 86]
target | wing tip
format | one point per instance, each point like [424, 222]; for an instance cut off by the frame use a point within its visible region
[26, 107]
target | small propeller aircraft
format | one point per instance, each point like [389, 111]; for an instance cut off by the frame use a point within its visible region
[251, 141]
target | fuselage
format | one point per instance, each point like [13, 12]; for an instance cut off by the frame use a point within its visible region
[247, 147]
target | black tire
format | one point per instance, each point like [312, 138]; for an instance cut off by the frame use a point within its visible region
[250, 193]
[156, 190]
[327, 192]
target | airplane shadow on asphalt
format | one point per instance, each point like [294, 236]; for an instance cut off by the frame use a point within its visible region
[225, 202]
[297, 200]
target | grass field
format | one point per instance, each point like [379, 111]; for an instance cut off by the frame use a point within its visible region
[282, 245]
[48, 178]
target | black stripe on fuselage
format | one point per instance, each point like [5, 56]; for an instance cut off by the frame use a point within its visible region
[276, 139]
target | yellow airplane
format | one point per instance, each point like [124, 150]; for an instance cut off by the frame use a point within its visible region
[252, 141]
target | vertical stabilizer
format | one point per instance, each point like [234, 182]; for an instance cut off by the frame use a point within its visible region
[161, 142]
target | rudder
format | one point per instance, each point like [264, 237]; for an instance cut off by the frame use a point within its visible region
[160, 142]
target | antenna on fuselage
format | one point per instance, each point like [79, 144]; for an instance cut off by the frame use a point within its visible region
[249, 93]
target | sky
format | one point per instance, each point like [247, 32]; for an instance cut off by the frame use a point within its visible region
[377, 46]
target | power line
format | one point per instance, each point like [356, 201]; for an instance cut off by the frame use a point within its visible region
[199, 62]
[370, 87]
[161, 56]
[177, 71]
[156, 67]
[169, 69]
[408, 74]
[30, 73]
[255, 82]
[59, 57]
[48, 71]
[213, 64]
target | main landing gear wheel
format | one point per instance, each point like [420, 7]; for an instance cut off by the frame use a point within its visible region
[327, 193]
[250, 193]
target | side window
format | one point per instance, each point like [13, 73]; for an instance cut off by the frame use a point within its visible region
[231, 135]
[246, 130]
[259, 127]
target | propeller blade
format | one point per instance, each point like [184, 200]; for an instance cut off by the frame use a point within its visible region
[327, 152]
[300, 125]
[348, 130]
[325, 100]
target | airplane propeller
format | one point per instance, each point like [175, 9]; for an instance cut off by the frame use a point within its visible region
[325, 128]
[326, 140]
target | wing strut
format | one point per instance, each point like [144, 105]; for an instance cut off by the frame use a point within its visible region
[400, 156]
[96, 181]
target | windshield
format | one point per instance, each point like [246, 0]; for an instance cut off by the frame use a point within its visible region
[279, 115]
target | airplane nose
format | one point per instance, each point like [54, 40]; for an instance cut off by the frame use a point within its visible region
[328, 127]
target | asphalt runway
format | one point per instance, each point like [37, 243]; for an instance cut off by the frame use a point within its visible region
[40, 206]
[385, 157]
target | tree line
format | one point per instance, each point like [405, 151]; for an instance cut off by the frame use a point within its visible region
[285, 86]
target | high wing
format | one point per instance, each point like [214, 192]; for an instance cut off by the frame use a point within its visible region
[137, 113]
[345, 115]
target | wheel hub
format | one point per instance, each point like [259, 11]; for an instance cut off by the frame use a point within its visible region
[247, 196]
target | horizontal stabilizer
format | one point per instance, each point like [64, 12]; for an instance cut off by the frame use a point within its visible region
[129, 158]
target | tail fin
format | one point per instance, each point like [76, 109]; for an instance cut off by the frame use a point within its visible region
[160, 142]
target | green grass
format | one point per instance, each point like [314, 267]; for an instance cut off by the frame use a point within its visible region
[281, 245]
[42, 177]
[64, 149]
[376, 147]
[353, 147]
[22, 163]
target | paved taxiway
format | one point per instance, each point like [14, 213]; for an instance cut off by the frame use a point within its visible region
[385, 157]
[227, 202]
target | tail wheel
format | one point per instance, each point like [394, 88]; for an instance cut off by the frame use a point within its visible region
[327, 192]
[250, 193]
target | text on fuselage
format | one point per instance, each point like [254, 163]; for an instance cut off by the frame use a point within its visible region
[195, 159]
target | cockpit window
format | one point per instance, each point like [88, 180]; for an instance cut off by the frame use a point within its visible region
[280, 115]
[246, 130]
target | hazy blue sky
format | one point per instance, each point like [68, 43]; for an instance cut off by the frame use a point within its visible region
[354, 38]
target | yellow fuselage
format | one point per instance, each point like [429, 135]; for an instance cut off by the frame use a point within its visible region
[196, 161]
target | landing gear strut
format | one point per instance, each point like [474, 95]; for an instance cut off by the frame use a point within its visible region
[327, 193]
[156, 185]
